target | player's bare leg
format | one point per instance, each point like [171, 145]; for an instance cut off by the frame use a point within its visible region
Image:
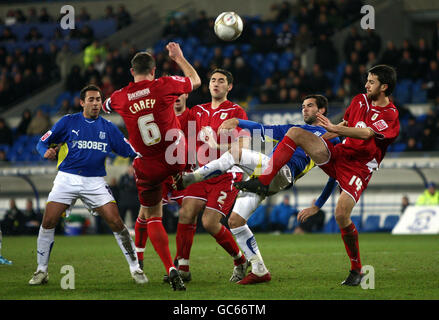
[212, 223]
[313, 145]
[110, 213]
[349, 234]
[45, 241]
[160, 242]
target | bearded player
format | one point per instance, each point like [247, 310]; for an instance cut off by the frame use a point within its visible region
[370, 125]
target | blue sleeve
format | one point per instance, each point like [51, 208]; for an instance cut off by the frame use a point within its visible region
[335, 140]
[57, 134]
[119, 144]
[326, 193]
[276, 132]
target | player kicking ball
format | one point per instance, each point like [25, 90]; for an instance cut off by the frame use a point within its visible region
[253, 163]
[370, 125]
[86, 140]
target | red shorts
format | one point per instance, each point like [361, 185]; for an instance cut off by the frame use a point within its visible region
[352, 174]
[218, 193]
[170, 194]
[150, 175]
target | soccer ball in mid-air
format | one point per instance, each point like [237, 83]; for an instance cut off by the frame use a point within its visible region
[228, 26]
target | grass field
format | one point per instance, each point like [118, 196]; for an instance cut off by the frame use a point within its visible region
[302, 267]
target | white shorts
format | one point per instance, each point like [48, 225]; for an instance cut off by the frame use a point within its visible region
[94, 192]
[255, 163]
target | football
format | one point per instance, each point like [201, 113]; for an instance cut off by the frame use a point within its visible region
[228, 26]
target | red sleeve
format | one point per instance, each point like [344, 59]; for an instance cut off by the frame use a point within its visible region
[386, 125]
[176, 85]
[110, 104]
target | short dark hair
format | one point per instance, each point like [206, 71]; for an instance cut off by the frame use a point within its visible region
[90, 87]
[386, 75]
[321, 101]
[142, 63]
[228, 74]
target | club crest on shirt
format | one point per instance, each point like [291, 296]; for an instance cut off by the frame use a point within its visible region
[223, 116]
[102, 135]
[360, 124]
[380, 125]
[375, 115]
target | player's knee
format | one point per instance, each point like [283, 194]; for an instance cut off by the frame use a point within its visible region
[293, 132]
[341, 217]
[209, 224]
[236, 221]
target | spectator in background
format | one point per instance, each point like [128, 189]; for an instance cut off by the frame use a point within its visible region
[3, 157]
[31, 218]
[349, 43]
[5, 133]
[39, 124]
[412, 145]
[303, 40]
[93, 50]
[430, 197]
[83, 15]
[171, 30]
[372, 41]
[390, 56]
[8, 36]
[32, 16]
[128, 195]
[63, 60]
[33, 35]
[404, 204]
[109, 13]
[14, 221]
[428, 141]
[281, 214]
[314, 223]
[26, 117]
[431, 80]
[44, 16]
[326, 55]
[123, 17]
[284, 38]
[75, 81]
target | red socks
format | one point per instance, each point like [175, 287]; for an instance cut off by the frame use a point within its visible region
[283, 153]
[350, 239]
[159, 240]
[141, 236]
[184, 238]
[226, 240]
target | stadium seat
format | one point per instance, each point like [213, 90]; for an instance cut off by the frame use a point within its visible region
[330, 226]
[403, 91]
[357, 221]
[371, 224]
[399, 147]
[419, 95]
[390, 222]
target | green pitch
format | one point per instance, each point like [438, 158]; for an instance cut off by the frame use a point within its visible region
[302, 267]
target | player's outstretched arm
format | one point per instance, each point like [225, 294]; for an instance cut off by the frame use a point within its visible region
[324, 196]
[342, 130]
[176, 54]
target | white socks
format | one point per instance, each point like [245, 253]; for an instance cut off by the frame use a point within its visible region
[127, 246]
[44, 247]
[246, 240]
[218, 166]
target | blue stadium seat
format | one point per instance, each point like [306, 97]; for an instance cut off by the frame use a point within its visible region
[399, 147]
[403, 92]
[371, 224]
[419, 95]
[357, 221]
[330, 226]
[390, 222]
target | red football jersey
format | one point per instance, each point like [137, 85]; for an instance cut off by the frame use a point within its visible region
[147, 108]
[384, 121]
[208, 119]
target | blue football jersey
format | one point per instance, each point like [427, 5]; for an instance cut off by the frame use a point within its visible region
[300, 163]
[85, 144]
